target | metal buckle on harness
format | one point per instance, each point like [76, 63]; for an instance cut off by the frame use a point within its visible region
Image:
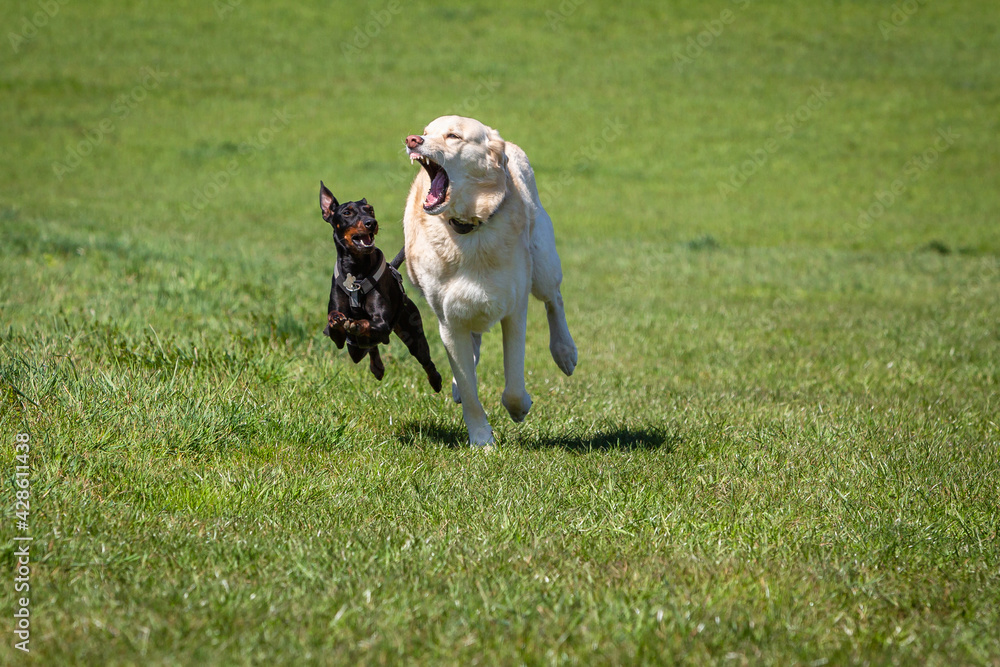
[352, 286]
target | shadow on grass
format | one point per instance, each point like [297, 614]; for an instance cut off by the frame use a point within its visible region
[613, 438]
[440, 432]
[610, 438]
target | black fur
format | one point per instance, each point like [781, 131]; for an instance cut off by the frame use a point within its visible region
[384, 309]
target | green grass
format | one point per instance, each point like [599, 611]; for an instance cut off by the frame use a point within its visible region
[781, 445]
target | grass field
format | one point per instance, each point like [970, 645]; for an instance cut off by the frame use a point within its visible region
[780, 231]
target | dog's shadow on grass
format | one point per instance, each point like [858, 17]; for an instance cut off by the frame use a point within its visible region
[450, 435]
[609, 438]
[612, 438]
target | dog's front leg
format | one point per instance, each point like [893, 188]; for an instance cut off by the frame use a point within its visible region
[375, 330]
[461, 355]
[335, 327]
[477, 342]
[515, 397]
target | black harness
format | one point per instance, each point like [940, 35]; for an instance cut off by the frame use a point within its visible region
[358, 289]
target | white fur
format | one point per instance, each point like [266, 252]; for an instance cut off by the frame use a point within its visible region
[472, 281]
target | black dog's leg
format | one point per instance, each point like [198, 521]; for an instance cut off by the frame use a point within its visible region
[375, 363]
[370, 332]
[356, 353]
[335, 328]
[410, 330]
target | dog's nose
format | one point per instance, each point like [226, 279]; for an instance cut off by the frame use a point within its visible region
[370, 224]
[414, 140]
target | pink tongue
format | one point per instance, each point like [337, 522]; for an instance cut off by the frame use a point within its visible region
[437, 191]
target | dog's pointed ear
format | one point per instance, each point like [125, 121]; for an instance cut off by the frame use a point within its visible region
[327, 202]
[364, 201]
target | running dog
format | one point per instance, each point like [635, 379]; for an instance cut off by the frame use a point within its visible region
[367, 300]
[478, 242]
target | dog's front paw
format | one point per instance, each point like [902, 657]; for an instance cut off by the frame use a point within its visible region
[336, 320]
[356, 327]
[481, 437]
[517, 405]
[335, 328]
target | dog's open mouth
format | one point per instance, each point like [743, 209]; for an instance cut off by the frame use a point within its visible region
[364, 241]
[438, 193]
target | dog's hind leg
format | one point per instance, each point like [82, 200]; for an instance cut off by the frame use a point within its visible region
[545, 280]
[561, 344]
[410, 330]
[356, 353]
[375, 363]
[462, 356]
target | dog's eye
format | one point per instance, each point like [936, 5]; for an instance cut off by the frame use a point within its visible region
[452, 135]
[369, 210]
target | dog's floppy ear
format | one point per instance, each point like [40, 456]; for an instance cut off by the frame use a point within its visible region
[491, 187]
[497, 148]
[327, 202]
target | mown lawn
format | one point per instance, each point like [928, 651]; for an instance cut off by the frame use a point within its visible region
[779, 230]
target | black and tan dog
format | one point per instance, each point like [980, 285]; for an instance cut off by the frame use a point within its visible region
[367, 300]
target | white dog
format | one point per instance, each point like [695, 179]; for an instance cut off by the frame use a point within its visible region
[477, 243]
